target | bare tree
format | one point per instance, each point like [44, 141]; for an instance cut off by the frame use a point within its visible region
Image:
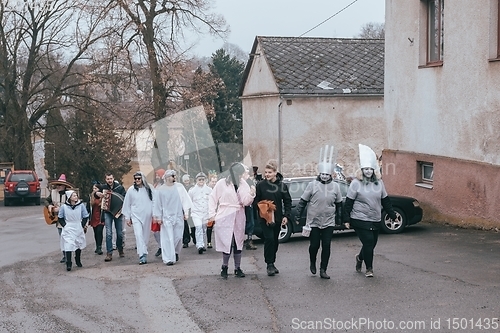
[153, 31]
[372, 30]
[41, 44]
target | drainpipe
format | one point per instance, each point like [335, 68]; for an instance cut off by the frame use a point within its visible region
[280, 138]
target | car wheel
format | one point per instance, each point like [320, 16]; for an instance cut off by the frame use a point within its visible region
[394, 227]
[22, 189]
[285, 233]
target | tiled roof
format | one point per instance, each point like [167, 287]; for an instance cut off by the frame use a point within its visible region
[304, 65]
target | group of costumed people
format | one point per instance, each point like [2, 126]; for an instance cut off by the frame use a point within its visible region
[361, 211]
[163, 207]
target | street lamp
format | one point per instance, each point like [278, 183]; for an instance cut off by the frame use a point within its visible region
[54, 156]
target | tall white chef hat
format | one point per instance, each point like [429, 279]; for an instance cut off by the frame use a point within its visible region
[326, 159]
[367, 158]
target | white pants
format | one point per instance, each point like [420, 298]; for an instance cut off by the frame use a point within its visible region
[171, 240]
[200, 233]
[141, 232]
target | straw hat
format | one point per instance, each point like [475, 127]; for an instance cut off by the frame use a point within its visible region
[61, 181]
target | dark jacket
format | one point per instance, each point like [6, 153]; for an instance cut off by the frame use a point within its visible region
[278, 193]
[115, 188]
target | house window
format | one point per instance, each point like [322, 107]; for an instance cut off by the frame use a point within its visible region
[435, 31]
[425, 174]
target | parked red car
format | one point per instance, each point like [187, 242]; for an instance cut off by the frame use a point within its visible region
[23, 186]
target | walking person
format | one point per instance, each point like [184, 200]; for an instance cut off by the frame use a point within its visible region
[189, 229]
[324, 205]
[96, 220]
[110, 218]
[212, 180]
[227, 208]
[138, 212]
[55, 200]
[73, 217]
[171, 206]
[155, 227]
[365, 199]
[250, 211]
[272, 192]
[199, 213]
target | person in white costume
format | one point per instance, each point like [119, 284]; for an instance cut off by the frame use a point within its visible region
[73, 217]
[199, 213]
[137, 211]
[171, 205]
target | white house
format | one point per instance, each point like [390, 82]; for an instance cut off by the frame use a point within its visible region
[442, 102]
[299, 94]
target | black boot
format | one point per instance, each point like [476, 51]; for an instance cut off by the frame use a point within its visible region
[312, 267]
[223, 272]
[98, 250]
[68, 260]
[322, 273]
[63, 258]
[77, 258]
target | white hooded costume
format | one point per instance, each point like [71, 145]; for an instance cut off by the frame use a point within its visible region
[138, 207]
[170, 204]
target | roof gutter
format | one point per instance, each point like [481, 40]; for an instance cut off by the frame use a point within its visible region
[280, 138]
[284, 96]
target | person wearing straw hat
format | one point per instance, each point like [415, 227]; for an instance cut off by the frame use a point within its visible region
[56, 199]
[324, 201]
[365, 199]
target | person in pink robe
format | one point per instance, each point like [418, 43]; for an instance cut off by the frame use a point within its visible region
[226, 206]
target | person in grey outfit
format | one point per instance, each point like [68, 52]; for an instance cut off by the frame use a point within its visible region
[363, 207]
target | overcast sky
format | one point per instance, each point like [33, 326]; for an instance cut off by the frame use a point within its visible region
[290, 18]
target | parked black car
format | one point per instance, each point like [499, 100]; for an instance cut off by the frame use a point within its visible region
[407, 209]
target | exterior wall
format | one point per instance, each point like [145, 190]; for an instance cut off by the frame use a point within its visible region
[448, 114]
[449, 110]
[260, 79]
[260, 129]
[464, 193]
[309, 123]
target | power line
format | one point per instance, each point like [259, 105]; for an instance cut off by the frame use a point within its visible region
[340, 11]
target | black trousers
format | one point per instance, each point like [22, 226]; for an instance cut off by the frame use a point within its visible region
[271, 243]
[98, 234]
[324, 237]
[188, 233]
[369, 240]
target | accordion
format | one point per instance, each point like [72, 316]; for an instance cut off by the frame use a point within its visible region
[112, 202]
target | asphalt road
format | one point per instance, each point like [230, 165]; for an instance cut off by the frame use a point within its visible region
[431, 278]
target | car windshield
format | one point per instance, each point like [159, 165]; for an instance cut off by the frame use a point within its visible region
[17, 177]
